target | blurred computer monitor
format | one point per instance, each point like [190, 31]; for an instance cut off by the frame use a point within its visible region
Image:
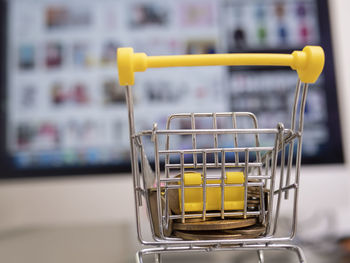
[63, 111]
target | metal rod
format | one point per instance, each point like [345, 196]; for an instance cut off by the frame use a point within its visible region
[157, 173]
[215, 126]
[291, 145]
[281, 183]
[219, 131]
[223, 173]
[250, 184]
[243, 149]
[217, 214]
[204, 184]
[211, 165]
[194, 139]
[137, 196]
[246, 183]
[298, 160]
[235, 137]
[182, 188]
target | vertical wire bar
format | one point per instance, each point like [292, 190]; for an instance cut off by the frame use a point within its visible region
[167, 172]
[291, 146]
[260, 172]
[222, 184]
[204, 184]
[281, 181]
[137, 196]
[182, 187]
[267, 166]
[137, 170]
[215, 125]
[167, 156]
[298, 159]
[257, 144]
[246, 182]
[262, 205]
[235, 138]
[157, 172]
[194, 139]
[272, 180]
[158, 258]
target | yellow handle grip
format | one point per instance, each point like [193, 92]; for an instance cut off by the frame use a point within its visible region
[308, 63]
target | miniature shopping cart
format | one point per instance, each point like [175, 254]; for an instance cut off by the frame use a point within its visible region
[216, 196]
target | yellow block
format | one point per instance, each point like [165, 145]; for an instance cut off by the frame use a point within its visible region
[233, 196]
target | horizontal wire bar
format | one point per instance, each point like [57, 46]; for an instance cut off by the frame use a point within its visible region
[200, 165]
[213, 150]
[215, 214]
[175, 179]
[286, 188]
[217, 131]
[250, 184]
[211, 131]
[207, 114]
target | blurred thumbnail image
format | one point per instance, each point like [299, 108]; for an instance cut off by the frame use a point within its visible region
[54, 55]
[26, 56]
[25, 134]
[197, 14]
[148, 14]
[58, 94]
[81, 55]
[113, 93]
[162, 91]
[28, 96]
[118, 131]
[201, 47]
[83, 132]
[66, 17]
[110, 16]
[33, 136]
[77, 94]
[109, 50]
[157, 46]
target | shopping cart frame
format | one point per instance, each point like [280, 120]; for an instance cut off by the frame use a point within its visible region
[309, 64]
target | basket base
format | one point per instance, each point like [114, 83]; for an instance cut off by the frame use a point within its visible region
[259, 248]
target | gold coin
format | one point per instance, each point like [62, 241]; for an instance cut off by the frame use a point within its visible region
[197, 219]
[205, 235]
[215, 224]
[256, 230]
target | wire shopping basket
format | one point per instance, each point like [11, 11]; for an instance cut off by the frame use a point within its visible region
[214, 196]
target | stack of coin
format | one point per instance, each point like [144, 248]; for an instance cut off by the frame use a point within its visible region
[219, 229]
[196, 228]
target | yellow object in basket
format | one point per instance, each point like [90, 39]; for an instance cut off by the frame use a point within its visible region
[233, 195]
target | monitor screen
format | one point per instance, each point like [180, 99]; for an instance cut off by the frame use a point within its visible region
[65, 112]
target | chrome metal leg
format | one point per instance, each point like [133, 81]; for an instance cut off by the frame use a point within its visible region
[139, 257]
[299, 253]
[290, 247]
[158, 258]
[260, 256]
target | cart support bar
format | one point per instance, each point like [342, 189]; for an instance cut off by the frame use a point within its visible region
[308, 63]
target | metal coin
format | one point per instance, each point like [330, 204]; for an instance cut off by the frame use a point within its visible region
[215, 224]
[254, 230]
[205, 235]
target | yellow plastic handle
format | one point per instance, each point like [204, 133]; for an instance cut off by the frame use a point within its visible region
[308, 63]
